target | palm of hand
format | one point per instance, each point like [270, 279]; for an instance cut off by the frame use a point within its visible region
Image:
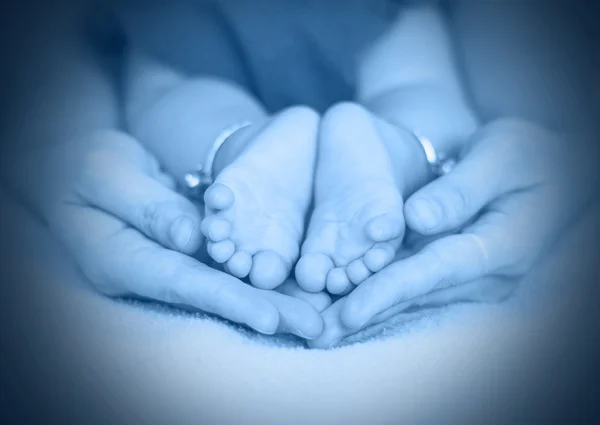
[517, 188]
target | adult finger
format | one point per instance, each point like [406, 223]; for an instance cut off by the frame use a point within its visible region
[485, 248]
[492, 168]
[121, 261]
[296, 316]
[335, 330]
[320, 300]
[126, 191]
[489, 290]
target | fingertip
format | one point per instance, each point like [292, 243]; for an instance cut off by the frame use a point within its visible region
[333, 329]
[314, 326]
[265, 320]
[218, 196]
[352, 315]
[184, 235]
[320, 301]
[310, 327]
[422, 215]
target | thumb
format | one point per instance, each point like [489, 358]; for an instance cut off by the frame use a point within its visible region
[452, 200]
[123, 189]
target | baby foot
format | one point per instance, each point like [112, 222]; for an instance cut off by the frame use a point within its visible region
[357, 223]
[256, 208]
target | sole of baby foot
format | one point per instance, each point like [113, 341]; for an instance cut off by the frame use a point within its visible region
[357, 223]
[256, 208]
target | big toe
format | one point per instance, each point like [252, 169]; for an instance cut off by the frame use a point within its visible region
[311, 271]
[385, 227]
[218, 197]
[269, 270]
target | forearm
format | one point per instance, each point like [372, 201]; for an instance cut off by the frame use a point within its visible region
[178, 117]
[409, 78]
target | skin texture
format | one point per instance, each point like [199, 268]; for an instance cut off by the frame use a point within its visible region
[262, 197]
[153, 366]
[127, 221]
[356, 224]
[133, 235]
[527, 199]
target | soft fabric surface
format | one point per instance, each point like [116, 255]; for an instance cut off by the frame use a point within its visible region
[79, 352]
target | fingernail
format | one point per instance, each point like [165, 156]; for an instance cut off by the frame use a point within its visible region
[285, 329]
[181, 231]
[302, 335]
[264, 330]
[427, 213]
[333, 344]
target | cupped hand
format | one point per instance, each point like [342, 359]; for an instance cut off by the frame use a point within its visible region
[131, 234]
[514, 190]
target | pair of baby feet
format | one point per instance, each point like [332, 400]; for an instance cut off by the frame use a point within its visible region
[256, 209]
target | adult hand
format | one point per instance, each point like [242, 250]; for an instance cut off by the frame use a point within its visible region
[515, 188]
[132, 235]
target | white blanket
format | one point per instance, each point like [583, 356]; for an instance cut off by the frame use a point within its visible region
[142, 363]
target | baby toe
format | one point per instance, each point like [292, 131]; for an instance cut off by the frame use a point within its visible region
[384, 228]
[379, 256]
[311, 271]
[338, 282]
[216, 228]
[218, 197]
[240, 264]
[357, 271]
[269, 270]
[221, 251]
